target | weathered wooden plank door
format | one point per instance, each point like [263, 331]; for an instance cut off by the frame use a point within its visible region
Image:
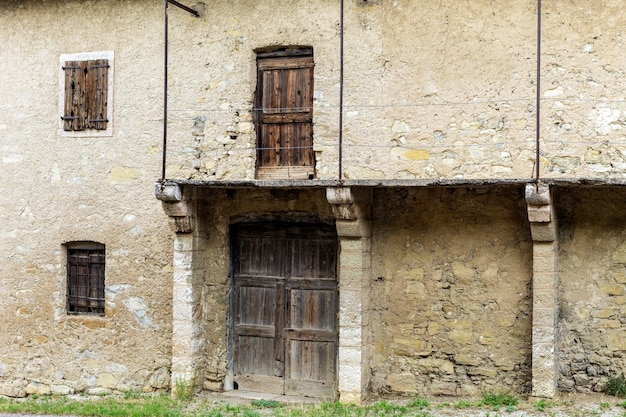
[284, 117]
[284, 308]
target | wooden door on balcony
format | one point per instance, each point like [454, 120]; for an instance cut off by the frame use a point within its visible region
[284, 114]
[284, 308]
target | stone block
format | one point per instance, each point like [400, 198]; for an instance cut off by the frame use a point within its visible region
[350, 355]
[539, 214]
[544, 280]
[537, 194]
[411, 347]
[349, 378]
[544, 317]
[490, 373]
[443, 388]
[545, 298]
[543, 232]
[463, 359]
[106, 380]
[350, 337]
[461, 336]
[36, 388]
[616, 340]
[619, 256]
[612, 289]
[404, 382]
[170, 193]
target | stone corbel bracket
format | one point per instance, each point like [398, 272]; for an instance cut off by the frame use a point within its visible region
[349, 204]
[177, 205]
[540, 213]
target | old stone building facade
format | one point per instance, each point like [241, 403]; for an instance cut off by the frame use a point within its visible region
[349, 202]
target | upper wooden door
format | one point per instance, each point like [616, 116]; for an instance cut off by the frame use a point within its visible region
[284, 308]
[284, 116]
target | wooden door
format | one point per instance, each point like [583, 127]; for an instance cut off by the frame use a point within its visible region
[284, 308]
[284, 116]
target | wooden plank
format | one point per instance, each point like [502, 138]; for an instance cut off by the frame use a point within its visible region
[286, 52]
[315, 335]
[270, 64]
[255, 330]
[260, 383]
[315, 389]
[281, 116]
[285, 172]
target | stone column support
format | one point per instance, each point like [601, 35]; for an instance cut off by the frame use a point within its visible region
[543, 229]
[352, 212]
[187, 337]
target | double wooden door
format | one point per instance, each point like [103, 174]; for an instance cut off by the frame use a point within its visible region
[284, 308]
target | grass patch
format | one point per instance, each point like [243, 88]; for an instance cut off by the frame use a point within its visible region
[185, 388]
[419, 404]
[160, 406]
[616, 386]
[543, 405]
[266, 404]
[499, 399]
[464, 404]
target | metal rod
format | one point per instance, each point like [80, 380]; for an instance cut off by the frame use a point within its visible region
[538, 104]
[182, 6]
[341, 90]
[165, 95]
[165, 64]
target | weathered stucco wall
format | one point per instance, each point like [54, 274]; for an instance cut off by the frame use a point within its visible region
[592, 260]
[451, 291]
[432, 90]
[62, 189]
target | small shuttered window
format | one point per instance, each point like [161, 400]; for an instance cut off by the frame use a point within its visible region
[284, 114]
[85, 95]
[85, 278]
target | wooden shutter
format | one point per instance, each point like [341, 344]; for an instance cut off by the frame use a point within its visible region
[86, 92]
[285, 116]
[85, 289]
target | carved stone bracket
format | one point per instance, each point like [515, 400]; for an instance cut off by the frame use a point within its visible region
[348, 203]
[177, 205]
[540, 212]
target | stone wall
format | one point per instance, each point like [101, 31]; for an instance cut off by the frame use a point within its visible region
[593, 275]
[60, 189]
[451, 291]
[431, 90]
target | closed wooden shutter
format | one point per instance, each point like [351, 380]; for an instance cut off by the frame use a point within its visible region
[285, 115]
[86, 92]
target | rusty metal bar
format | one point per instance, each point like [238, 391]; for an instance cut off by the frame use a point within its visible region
[341, 13]
[182, 6]
[165, 64]
[538, 104]
[165, 93]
